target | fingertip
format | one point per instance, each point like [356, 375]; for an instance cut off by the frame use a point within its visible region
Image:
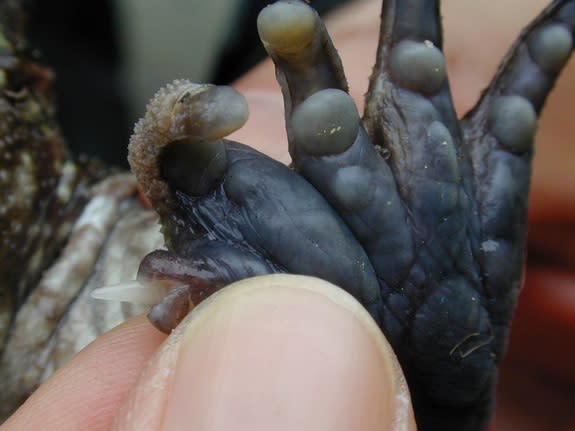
[274, 352]
[85, 393]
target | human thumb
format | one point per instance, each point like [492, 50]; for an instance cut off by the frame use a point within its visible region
[277, 352]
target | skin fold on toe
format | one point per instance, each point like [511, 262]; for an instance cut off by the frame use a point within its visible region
[419, 215]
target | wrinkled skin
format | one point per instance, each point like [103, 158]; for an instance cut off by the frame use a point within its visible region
[420, 216]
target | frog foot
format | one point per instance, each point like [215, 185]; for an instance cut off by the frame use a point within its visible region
[419, 215]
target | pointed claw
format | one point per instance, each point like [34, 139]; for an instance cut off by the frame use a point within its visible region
[170, 296]
[187, 282]
[131, 291]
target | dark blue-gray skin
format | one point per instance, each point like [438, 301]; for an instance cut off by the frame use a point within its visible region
[419, 215]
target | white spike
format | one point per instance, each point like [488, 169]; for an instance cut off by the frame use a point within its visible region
[131, 291]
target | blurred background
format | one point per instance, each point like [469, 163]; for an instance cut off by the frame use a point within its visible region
[111, 56]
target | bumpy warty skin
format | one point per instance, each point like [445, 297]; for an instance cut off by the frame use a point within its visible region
[421, 216]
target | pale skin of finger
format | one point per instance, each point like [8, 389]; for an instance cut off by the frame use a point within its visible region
[274, 352]
[476, 36]
[85, 394]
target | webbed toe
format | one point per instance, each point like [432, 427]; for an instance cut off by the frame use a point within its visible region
[420, 216]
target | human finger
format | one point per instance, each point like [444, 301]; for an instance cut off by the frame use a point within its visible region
[273, 352]
[86, 392]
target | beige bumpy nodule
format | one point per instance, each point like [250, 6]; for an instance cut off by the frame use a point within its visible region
[186, 112]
